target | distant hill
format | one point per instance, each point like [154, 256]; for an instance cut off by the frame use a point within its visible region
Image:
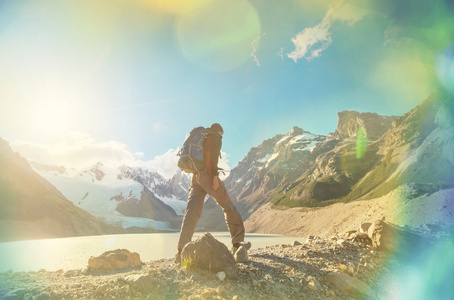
[32, 208]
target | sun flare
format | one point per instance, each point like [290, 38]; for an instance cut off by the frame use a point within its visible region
[51, 119]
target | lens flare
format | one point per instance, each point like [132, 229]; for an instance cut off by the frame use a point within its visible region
[218, 36]
[361, 143]
[444, 66]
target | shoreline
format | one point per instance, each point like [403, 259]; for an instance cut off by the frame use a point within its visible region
[280, 271]
[60, 252]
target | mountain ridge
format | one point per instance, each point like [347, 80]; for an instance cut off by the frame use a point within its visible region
[34, 208]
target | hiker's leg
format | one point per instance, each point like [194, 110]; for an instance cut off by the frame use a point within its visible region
[222, 198]
[192, 213]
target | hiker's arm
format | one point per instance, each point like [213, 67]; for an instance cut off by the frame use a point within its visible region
[215, 182]
[213, 148]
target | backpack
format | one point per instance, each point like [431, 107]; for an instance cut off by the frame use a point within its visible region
[191, 154]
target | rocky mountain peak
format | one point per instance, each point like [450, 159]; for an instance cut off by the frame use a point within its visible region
[350, 122]
[97, 171]
[296, 131]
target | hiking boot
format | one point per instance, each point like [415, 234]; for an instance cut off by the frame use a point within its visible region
[235, 248]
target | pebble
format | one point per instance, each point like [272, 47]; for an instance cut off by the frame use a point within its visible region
[102, 289]
[70, 273]
[221, 276]
[312, 286]
[220, 290]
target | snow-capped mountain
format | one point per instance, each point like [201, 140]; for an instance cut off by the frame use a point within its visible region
[266, 165]
[32, 208]
[129, 196]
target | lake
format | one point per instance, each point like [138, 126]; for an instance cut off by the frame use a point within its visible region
[73, 253]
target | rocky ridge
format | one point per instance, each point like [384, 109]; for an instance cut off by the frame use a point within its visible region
[372, 125]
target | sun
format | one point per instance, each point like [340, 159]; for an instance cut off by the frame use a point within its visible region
[51, 119]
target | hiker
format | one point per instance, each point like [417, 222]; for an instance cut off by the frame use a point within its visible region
[206, 181]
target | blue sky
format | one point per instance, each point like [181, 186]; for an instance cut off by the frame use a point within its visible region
[138, 75]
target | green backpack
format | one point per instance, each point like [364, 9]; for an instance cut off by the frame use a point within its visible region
[191, 153]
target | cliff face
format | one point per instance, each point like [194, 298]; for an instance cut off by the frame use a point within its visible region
[30, 207]
[372, 125]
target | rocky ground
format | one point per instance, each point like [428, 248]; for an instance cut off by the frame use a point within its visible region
[319, 269]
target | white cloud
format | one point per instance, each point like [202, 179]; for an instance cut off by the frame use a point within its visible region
[311, 41]
[165, 164]
[255, 48]
[224, 164]
[281, 53]
[75, 150]
[80, 151]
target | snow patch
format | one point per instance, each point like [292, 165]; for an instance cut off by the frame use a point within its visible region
[246, 185]
[177, 205]
[302, 138]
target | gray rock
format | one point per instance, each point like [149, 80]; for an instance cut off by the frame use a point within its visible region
[221, 276]
[391, 238]
[349, 285]
[43, 296]
[296, 243]
[15, 294]
[114, 260]
[362, 235]
[364, 227]
[71, 273]
[207, 253]
[141, 283]
[241, 255]
[102, 289]
[341, 242]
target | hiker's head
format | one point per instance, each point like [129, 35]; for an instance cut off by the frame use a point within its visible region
[216, 127]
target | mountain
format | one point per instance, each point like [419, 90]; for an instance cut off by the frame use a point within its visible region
[31, 207]
[128, 196]
[366, 157]
[350, 122]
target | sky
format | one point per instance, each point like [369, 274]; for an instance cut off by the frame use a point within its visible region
[124, 81]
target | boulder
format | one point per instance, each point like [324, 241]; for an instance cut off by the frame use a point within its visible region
[392, 238]
[207, 253]
[349, 285]
[296, 243]
[362, 235]
[364, 227]
[15, 294]
[114, 260]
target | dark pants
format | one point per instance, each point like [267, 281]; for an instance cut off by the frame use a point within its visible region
[201, 185]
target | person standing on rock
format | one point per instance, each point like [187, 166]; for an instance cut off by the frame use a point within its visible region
[204, 182]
